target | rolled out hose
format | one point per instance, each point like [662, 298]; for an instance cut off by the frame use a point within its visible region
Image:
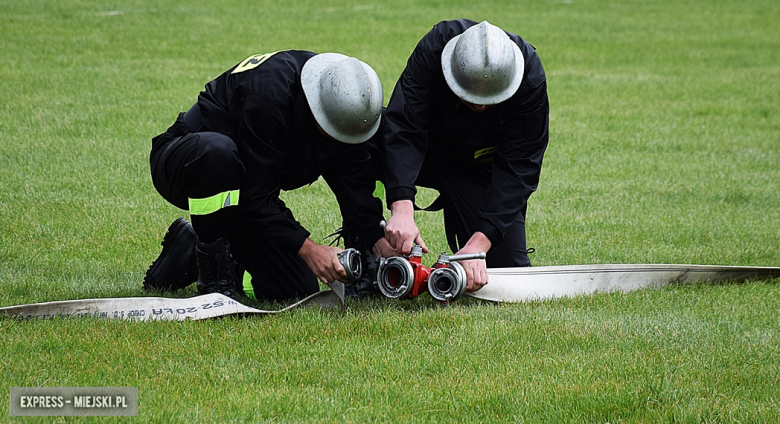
[395, 277]
[447, 283]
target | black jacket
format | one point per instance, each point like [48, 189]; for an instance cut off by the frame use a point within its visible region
[261, 105]
[505, 142]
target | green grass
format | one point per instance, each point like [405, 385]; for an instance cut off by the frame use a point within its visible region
[664, 148]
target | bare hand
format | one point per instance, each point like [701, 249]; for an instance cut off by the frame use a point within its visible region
[401, 231]
[323, 261]
[476, 269]
[382, 249]
[476, 273]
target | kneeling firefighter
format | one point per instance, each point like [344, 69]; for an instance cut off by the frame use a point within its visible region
[469, 118]
[273, 122]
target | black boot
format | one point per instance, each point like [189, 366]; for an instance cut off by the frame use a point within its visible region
[176, 267]
[216, 269]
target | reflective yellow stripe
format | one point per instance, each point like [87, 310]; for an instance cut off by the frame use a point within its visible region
[484, 152]
[379, 191]
[213, 203]
[249, 291]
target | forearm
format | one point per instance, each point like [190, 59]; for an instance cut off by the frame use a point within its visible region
[477, 243]
[402, 209]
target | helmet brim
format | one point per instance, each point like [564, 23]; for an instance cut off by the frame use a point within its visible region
[310, 79]
[461, 92]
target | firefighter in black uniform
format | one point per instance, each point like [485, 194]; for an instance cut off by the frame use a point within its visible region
[273, 122]
[469, 118]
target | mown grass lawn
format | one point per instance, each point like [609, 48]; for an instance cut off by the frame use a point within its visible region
[664, 148]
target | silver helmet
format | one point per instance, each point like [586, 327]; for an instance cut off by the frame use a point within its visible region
[345, 96]
[483, 65]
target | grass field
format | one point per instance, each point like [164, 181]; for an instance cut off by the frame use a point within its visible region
[665, 148]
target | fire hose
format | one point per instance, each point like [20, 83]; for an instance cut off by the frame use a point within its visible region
[406, 277]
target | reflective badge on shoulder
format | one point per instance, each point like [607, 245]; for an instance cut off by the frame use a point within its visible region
[252, 62]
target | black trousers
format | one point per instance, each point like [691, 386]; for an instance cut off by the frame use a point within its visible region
[197, 165]
[461, 190]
